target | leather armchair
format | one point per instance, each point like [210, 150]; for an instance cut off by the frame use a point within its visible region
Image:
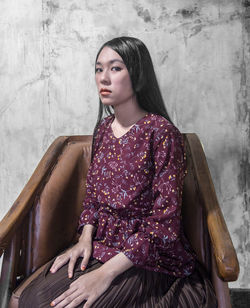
[43, 220]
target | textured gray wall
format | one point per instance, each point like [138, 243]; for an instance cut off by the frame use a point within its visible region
[201, 54]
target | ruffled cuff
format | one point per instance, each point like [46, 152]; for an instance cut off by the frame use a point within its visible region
[141, 250]
[88, 217]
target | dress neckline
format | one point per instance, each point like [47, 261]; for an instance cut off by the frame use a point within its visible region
[129, 131]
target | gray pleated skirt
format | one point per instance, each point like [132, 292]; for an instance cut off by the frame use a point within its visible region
[135, 288]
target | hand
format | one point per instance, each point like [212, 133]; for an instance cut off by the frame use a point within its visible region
[82, 249]
[88, 287]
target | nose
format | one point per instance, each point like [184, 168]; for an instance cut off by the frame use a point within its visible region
[105, 78]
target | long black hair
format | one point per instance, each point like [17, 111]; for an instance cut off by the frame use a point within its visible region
[137, 59]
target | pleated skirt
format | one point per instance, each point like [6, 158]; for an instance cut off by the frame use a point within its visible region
[135, 288]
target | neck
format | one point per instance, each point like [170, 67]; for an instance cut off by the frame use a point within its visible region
[127, 114]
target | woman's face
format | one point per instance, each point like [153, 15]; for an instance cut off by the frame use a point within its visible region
[112, 78]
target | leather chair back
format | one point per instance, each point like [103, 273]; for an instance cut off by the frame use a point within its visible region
[193, 214]
[54, 216]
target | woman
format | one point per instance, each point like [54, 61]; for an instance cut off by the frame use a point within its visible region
[132, 251]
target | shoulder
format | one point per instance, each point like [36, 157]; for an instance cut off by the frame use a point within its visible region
[167, 140]
[107, 118]
[161, 128]
[104, 122]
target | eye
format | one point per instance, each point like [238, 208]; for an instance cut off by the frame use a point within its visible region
[98, 70]
[116, 68]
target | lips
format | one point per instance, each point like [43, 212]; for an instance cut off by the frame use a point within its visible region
[104, 91]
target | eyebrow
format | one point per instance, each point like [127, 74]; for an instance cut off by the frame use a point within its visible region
[111, 61]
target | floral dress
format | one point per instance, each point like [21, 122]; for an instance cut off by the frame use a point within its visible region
[134, 196]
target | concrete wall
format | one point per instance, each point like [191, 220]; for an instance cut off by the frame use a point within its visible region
[201, 54]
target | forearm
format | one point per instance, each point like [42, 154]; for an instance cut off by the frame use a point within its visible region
[87, 233]
[116, 265]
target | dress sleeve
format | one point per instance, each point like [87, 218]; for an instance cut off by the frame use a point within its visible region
[160, 231]
[89, 214]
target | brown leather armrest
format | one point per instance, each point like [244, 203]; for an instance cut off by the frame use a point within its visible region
[22, 205]
[222, 247]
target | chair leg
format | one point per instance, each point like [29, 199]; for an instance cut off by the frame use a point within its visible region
[8, 272]
[221, 288]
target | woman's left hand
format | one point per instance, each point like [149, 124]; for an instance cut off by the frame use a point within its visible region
[87, 287]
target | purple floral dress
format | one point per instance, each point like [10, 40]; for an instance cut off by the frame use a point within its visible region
[134, 195]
